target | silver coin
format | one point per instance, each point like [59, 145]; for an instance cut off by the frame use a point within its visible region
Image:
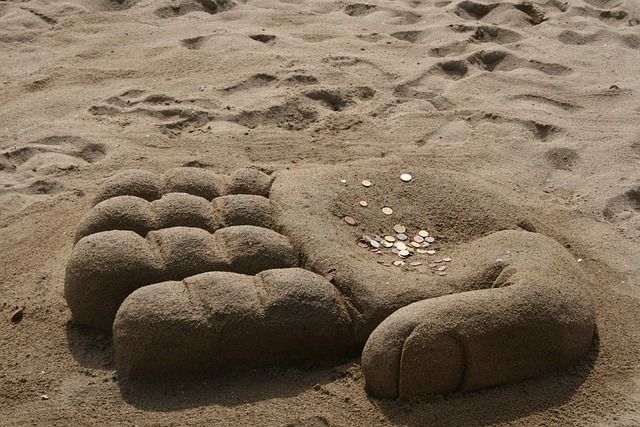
[406, 177]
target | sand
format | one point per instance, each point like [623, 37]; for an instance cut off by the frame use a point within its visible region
[536, 100]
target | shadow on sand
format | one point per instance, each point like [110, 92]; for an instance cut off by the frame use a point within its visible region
[93, 349]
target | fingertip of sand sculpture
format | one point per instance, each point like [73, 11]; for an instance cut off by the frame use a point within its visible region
[106, 267]
[195, 181]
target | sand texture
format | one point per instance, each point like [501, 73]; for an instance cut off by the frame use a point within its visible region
[180, 171]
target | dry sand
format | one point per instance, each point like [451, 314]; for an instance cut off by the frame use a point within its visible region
[540, 99]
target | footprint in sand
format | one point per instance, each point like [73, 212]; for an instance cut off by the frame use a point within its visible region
[183, 7]
[28, 172]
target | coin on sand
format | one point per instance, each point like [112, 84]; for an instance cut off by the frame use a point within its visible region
[374, 243]
[387, 210]
[386, 244]
[447, 259]
[350, 220]
[401, 236]
[429, 239]
[398, 263]
[404, 253]
[430, 252]
[415, 245]
[423, 233]
[421, 251]
[389, 238]
[399, 228]
[400, 246]
[406, 177]
[364, 203]
[366, 183]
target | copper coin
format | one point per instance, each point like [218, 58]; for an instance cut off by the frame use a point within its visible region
[350, 220]
[364, 203]
[418, 239]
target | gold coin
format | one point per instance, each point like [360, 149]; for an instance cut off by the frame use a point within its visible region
[366, 183]
[386, 244]
[399, 228]
[398, 263]
[431, 252]
[423, 233]
[422, 251]
[415, 244]
[389, 238]
[387, 210]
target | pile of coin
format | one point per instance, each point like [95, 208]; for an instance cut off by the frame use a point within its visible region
[399, 242]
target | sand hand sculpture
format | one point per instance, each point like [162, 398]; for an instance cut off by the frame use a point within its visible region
[197, 272]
